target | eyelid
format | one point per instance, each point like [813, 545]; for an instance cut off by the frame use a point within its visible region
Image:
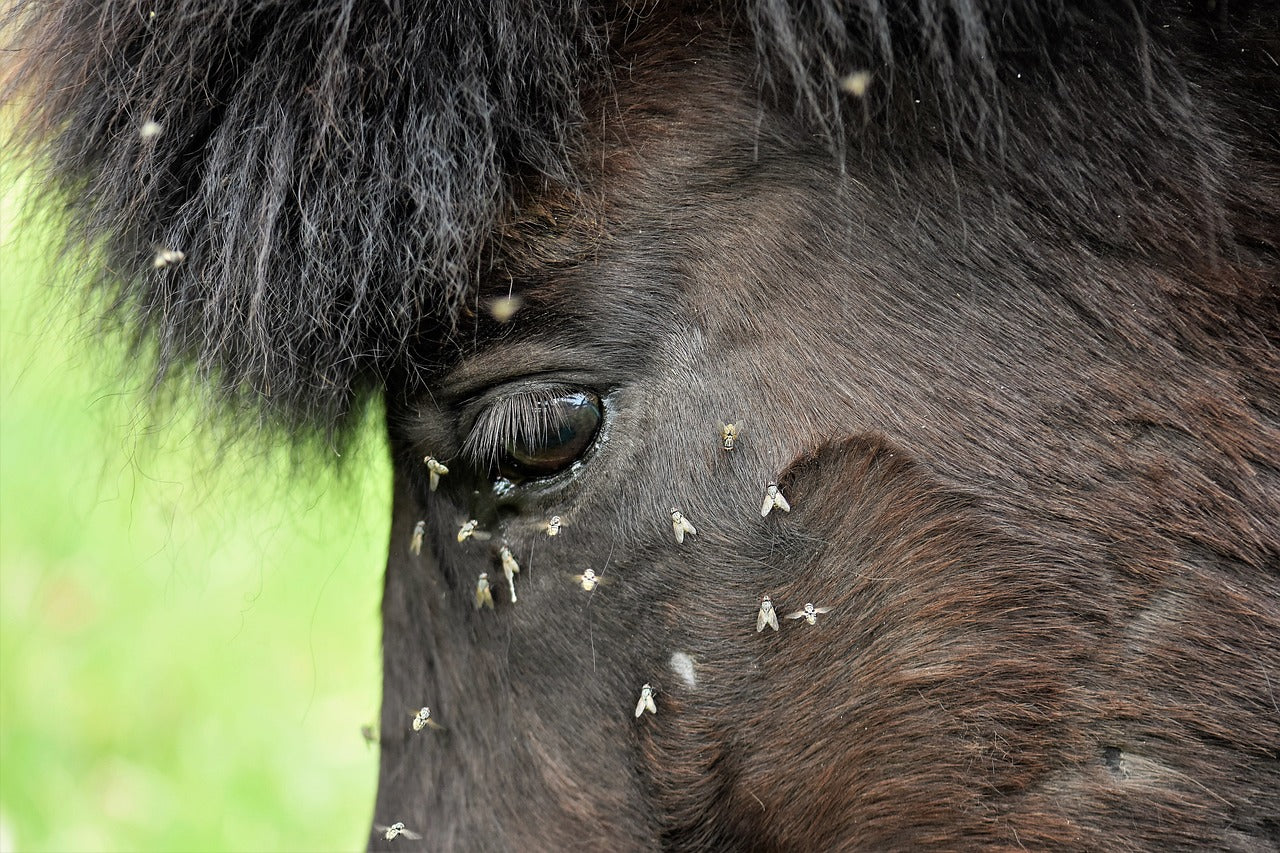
[502, 367]
[472, 405]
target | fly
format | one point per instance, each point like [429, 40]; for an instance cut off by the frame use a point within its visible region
[809, 614]
[767, 615]
[646, 701]
[468, 531]
[165, 258]
[680, 526]
[436, 470]
[588, 580]
[484, 595]
[397, 828]
[422, 719]
[729, 436]
[773, 499]
[510, 568]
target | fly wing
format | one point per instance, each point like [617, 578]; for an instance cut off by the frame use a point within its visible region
[411, 835]
[678, 528]
[640, 705]
[799, 614]
[767, 506]
[782, 503]
[773, 619]
[762, 619]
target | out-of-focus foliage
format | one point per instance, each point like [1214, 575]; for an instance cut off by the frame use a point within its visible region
[188, 633]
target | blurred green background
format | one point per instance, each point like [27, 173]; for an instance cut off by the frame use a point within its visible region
[188, 637]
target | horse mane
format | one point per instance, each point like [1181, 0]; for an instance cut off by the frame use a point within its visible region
[332, 173]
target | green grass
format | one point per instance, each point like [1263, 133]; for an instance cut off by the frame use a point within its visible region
[188, 639]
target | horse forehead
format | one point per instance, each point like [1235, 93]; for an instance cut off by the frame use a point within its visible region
[699, 235]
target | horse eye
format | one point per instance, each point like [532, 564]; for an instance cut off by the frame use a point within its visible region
[566, 426]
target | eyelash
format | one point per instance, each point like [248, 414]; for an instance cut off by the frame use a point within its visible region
[523, 415]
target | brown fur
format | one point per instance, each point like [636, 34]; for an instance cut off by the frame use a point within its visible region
[1036, 483]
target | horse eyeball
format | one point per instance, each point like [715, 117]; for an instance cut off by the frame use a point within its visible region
[567, 426]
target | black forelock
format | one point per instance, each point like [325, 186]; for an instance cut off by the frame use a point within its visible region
[332, 170]
[329, 169]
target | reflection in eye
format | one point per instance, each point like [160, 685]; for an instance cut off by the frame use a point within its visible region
[535, 433]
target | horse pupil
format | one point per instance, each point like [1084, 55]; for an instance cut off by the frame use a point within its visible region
[572, 421]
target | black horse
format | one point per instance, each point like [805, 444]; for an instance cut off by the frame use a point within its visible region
[951, 327]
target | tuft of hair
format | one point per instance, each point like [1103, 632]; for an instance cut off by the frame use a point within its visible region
[326, 172]
[296, 201]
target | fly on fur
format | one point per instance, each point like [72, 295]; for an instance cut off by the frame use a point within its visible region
[510, 568]
[810, 613]
[470, 530]
[422, 720]
[397, 828]
[589, 580]
[767, 615]
[729, 435]
[554, 525]
[435, 470]
[773, 499]
[680, 526]
[165, 258]
[415, 541]
[646, 702]
[484, 595]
